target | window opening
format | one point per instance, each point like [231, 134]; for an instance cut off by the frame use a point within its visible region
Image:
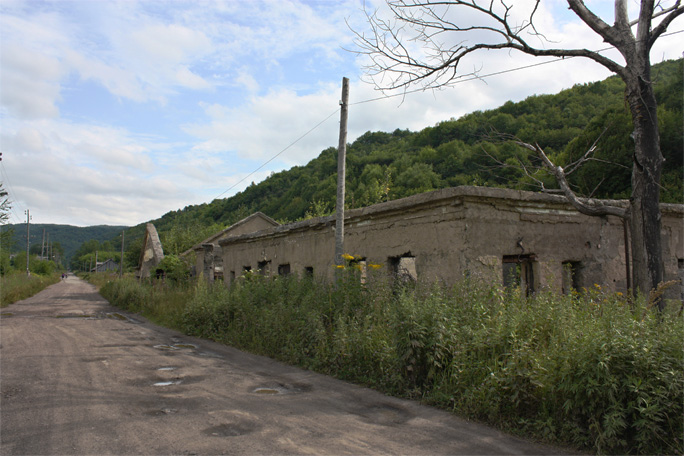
[518, 271]
[571, 276]
[284, 269]
[403, 269]
[264, 267]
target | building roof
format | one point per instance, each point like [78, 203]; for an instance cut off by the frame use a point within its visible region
[213, 239]
[550, 204]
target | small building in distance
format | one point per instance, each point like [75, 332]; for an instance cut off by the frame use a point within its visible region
[104, 266]
[515, 238]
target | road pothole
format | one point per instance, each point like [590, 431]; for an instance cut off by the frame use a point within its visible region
[230, 430]
[172, 347]
[168, 383]
[162, 412]
[280, 388]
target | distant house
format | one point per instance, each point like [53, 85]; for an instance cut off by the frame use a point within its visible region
[515, 238]
[208, 255]
[104, 266]
[151, 254]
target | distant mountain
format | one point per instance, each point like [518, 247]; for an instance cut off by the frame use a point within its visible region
[68, 236]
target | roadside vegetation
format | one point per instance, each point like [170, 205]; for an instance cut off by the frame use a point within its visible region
[593, 370]
[16, 285]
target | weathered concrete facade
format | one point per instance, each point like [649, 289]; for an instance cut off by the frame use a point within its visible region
[208, 257]
[530, 239]
[152, 253]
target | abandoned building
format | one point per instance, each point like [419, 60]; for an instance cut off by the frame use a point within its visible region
[518, 238]
[151, 254]
[208, 257]
[105, 266]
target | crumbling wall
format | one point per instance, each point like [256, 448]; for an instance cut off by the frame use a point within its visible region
[446, 234]
[208, 256]
[152, 253]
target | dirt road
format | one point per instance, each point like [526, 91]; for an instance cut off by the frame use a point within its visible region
[81, 377]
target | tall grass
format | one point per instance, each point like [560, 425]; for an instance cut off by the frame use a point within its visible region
[591, 370]
[16, 286]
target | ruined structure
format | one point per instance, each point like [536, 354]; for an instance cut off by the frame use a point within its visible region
[151, 254]
[526, 239]
[208, 255]
[105, 266]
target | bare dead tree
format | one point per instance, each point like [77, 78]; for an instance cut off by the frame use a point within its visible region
[425, 41]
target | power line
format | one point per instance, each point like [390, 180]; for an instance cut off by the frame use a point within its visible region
[279, 153]
[404, 93]
[13, 194]
[496, 73]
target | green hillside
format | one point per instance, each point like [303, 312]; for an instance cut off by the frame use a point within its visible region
[67, 238]
[466, 151]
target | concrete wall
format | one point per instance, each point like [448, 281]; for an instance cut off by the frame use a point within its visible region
[152, 253]
[208, 256]
[445, 234]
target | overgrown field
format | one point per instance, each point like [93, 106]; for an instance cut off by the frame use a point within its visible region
[16, 286]
[592, 370]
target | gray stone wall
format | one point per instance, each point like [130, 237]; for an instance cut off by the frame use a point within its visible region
[443, 235]
[152, 253]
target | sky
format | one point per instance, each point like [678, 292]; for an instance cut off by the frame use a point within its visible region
[116, 112]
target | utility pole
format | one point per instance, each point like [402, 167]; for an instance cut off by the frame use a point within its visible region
[42, 247]
[95, 260]
[48, 250]
[341, 173]
[122, 254]
[28, 221]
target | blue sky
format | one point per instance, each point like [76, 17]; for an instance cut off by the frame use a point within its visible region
[116, 112]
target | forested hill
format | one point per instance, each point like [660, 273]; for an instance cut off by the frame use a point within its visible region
[66, 238]
[383, 166]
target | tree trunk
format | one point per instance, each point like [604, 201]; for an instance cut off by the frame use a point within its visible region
[644, 214]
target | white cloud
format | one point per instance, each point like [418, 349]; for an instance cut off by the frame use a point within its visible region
[29, 82]
[191, 98]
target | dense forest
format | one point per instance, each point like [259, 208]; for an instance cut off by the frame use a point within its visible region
[471, 150]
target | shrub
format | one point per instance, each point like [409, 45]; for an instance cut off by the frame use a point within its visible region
[591, 370]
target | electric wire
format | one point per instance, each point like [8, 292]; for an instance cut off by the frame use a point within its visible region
[423, 89]
[10, 190]
[279, 153]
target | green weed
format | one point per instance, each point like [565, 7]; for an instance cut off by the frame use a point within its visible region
[591, 370]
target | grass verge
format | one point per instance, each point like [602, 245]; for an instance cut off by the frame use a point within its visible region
[17, 286]
[593, 370]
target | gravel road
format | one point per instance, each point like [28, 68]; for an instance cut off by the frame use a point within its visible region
[80, 377]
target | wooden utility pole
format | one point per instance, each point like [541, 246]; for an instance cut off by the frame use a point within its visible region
[122, 254]
[42, 247]
[341, 172]
[28, 219]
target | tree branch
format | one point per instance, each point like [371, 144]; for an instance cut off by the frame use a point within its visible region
[587, 207]
[437, 64]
